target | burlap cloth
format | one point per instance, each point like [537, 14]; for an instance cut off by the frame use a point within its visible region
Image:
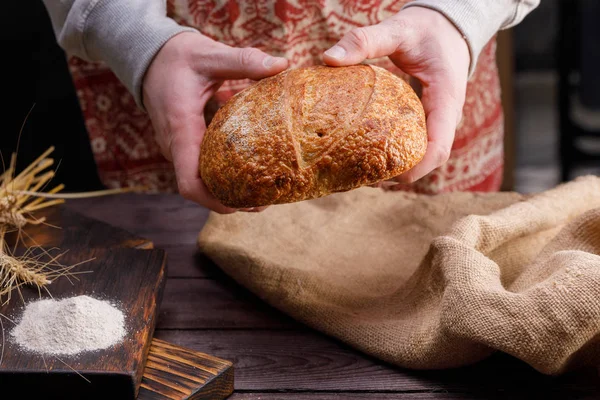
[430, 282]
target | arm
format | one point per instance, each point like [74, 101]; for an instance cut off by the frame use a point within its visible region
[124, 34]
[171, 70]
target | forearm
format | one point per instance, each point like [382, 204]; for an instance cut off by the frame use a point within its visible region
[480, 20]
[124, 34]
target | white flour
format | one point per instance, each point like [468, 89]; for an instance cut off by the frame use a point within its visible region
[69, 326]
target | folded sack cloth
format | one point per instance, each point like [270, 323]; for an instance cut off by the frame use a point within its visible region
[428, 282]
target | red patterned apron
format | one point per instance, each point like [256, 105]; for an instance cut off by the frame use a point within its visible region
[300, 30]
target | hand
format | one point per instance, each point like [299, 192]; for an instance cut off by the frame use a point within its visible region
[183, 76]
[427, 46]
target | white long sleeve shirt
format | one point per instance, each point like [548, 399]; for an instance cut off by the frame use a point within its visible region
[127, 34]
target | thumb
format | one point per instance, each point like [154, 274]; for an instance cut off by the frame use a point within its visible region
[241, 63]
[365, 43]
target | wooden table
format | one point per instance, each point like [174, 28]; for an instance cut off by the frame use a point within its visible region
[276, 357]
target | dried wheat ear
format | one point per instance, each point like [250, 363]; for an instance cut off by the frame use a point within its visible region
[20, 197]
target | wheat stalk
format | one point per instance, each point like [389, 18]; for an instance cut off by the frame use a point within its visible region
[20, 197]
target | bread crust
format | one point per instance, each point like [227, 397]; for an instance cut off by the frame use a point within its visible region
[309, 132]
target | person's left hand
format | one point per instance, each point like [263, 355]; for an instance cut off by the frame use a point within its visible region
[427, 46]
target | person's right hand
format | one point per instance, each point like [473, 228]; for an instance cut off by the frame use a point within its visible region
[183, 76]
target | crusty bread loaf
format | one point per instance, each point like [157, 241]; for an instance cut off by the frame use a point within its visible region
[310, 132]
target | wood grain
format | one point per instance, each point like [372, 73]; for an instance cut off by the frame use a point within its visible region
[168, 221]
[186, 261]
[162, 218]
[65, 227]
[177, 373]
[133, 279]
[209, 304]
[267, 360]
[512, 395]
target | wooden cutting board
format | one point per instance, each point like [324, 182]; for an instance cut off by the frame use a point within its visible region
[127, 269]
[132, 278]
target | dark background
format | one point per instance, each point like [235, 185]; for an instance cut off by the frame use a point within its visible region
[36, 79]
[535, 39]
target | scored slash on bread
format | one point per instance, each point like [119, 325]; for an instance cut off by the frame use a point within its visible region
[310, 132]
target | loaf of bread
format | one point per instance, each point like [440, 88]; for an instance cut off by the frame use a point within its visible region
[309, 132]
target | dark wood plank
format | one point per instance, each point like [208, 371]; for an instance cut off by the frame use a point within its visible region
[308, 361]
[328, 396]
[176, 373]
[185, 261]
[67, 226]
[169, 221]
[64, 227]
[528, 394]
[132, 278]
[292, 360]
[208, 304]
[165, 219]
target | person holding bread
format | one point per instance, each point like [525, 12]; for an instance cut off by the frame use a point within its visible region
[151, 75]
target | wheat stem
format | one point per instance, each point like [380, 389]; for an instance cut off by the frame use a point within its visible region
[34, 164]
[82, 195]
[41, 198]
[43, 205]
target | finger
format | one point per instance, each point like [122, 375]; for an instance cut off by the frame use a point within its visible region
[384, 184]
[367, 42]
[241, 63]
[443, 110]
[254, 209]
[397, 188]
[185, 152]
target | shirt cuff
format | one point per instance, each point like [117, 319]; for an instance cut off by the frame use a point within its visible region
[126, 36]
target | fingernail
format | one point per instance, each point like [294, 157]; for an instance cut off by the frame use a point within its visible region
[336, 52]
[269, 61]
